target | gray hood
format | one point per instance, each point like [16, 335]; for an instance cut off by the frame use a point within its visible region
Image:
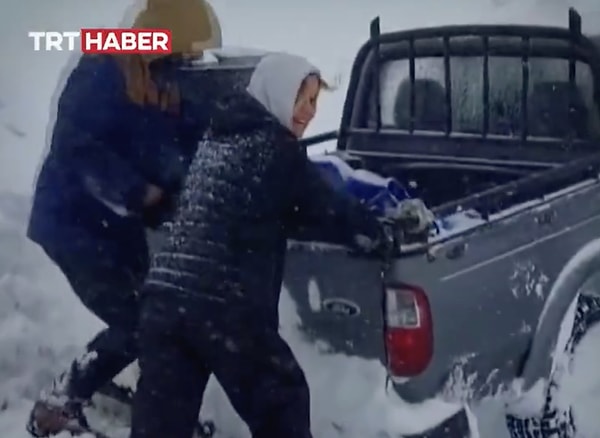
[276, 81]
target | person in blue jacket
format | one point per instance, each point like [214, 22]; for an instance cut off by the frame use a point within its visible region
[120, 148]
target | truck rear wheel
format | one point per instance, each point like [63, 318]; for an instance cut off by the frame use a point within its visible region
[572, 399]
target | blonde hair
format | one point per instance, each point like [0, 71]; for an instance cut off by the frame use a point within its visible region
[329, 86]
[194, 27]
[142, 90]
[323, 84]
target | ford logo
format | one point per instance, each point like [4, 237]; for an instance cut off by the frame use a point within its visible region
[341, 306]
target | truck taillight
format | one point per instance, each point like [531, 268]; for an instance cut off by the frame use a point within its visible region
[408, 330]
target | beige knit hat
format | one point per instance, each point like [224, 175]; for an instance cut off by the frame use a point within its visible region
[193, 24]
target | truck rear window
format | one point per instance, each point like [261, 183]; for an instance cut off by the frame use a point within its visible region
[554, 109]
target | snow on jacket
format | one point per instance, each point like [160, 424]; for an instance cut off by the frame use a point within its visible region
[249, 185]
[104, 151]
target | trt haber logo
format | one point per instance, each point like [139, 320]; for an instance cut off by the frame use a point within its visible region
[142, 41]
[127, 41]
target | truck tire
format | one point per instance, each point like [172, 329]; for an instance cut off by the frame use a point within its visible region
[560, 421]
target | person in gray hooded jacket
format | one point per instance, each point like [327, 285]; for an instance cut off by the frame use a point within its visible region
[210, 299]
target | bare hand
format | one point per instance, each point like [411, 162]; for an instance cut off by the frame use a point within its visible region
[153, 196]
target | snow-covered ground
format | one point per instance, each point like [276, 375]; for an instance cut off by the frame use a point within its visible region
[42, 325]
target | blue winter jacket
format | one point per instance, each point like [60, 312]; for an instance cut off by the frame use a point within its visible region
[104, 152]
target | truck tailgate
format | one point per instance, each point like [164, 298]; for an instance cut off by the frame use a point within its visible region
[339, 299]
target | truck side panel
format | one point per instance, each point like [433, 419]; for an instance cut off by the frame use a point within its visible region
[488, 290]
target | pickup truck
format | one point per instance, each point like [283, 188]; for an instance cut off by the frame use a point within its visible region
[498, 124]
[497, 129]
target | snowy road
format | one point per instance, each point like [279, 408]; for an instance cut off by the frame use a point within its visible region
[41, 323]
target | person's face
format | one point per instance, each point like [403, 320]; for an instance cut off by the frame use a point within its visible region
[306, 104]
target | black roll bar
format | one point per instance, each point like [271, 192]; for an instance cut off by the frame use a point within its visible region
[410, 45]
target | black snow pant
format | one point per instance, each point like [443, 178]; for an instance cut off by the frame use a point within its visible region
[183, 340]
[106, 284]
